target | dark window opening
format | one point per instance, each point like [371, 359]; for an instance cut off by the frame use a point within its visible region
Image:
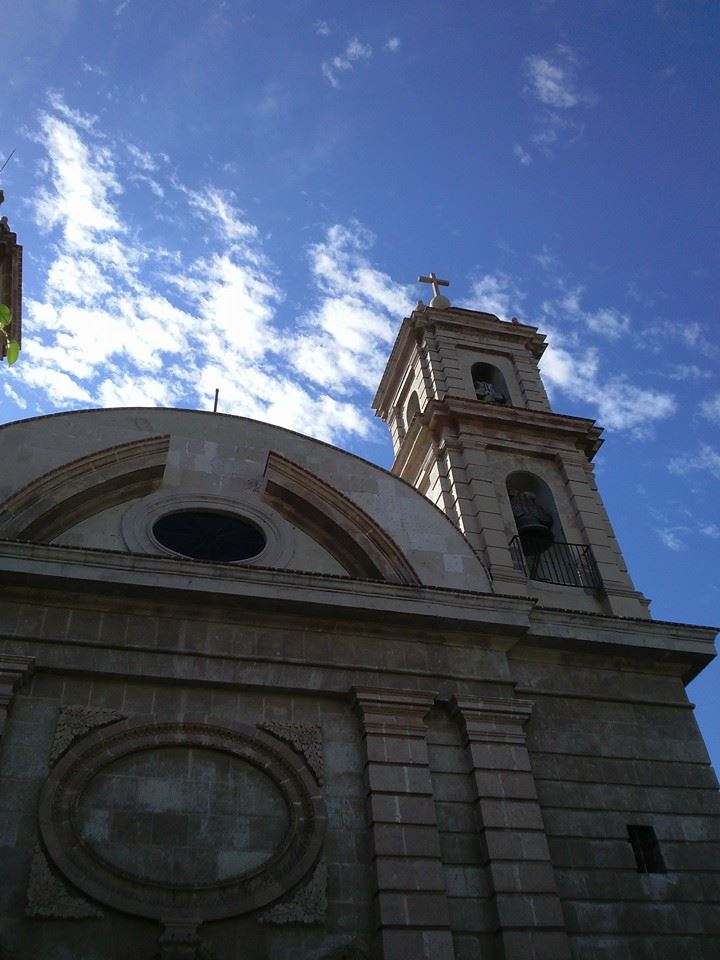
[206, 535]
[646, 849]
[489, 383]
[413, 407]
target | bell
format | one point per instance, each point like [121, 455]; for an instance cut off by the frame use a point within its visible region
[487, 392]
[534, 523]
[535, 538]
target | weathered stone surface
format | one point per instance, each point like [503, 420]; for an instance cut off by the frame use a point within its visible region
[14, 672]
[182, 941]
[49, 898]
[306, 738]
[74, 722]
[307, 905]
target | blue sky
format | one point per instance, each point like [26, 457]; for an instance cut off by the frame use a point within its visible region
[241, 195]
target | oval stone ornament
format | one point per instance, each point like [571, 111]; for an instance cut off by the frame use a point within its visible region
[164, 819]
[183, 815]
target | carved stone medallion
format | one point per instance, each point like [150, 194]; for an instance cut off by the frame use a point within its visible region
[171, 820]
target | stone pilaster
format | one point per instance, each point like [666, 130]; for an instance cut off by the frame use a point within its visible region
[530, 918]
[14, 671]
[411, 900]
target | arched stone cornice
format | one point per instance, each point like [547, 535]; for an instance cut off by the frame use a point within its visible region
[339, 525]
[63, 497]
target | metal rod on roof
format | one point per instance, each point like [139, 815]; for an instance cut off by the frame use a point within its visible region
[8, 159]
[217, 394]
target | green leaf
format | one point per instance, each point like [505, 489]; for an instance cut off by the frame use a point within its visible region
[13, 350]
[5, 316]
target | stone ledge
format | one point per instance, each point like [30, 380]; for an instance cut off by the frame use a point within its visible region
[482, 612]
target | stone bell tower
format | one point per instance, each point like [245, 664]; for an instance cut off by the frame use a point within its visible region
[473, 431]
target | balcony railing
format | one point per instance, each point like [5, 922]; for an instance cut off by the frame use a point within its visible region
[566, 564]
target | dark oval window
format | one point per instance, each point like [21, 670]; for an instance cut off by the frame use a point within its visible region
[206, 535]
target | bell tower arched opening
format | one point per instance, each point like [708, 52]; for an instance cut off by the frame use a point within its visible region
[413, 407]
[536, 517]
[489, 383]
[540, 548]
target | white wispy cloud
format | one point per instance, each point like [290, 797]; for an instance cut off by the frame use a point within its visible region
[620, 404]
[671, 539]
[608, 322]
[706, 459]
[145, 166]
[83, 121]
[346, 338]
[548, 261]
[551, 80]
[710, 409]
[605, 321]
[496, 293]
[689, 371]
[392, 44]
[638, 295]
[120, 321]
[576, 370]
[691, 334]
[82, 186]
[142, 159]
[355, 51]
[521, 155]
[550, 83]
[573, 370]
[322, 28]
[92, 68]
[679, 532]
[218, 209]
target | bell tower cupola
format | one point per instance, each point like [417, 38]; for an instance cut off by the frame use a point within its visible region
[472, 429]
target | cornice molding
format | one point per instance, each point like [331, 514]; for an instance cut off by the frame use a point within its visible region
[578, 433]
[169, 579]
[684, 648]
[499, 426]
[475, 323]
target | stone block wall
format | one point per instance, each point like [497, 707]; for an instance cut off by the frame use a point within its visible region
[476, 791]
[614, 743]
[186, 816]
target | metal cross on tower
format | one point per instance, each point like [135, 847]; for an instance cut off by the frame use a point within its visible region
[432, 278]
[438, 299]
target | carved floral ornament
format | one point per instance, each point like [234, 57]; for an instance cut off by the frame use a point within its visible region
[134, 756]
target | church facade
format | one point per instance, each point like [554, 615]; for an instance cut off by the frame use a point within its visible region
[262, 699]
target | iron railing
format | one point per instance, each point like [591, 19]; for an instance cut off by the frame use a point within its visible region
[566, 564]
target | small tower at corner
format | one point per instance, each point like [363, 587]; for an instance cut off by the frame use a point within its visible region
[473, 431]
